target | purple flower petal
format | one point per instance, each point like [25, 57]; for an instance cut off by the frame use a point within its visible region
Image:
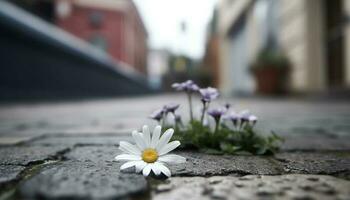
[217, 112]
[244, 115]
[157, 114]
[232, 116]
[187, 86]
[209, 94]
[253, 118]
[171, 107]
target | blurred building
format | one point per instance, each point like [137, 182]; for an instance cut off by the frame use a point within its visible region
[41, 61]
[211, 62]
[182, 68]
[43, 9]
[314, 34]
[114, 26]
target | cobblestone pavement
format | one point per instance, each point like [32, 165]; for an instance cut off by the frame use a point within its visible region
[65, 151]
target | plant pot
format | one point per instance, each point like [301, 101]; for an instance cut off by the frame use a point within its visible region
[271, 80]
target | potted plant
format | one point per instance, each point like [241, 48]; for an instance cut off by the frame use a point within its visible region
[271, 69]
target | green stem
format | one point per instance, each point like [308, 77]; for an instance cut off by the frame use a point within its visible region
[217, 126]
[163, 121]
[203, 112]
[176, 123]
[190, 104]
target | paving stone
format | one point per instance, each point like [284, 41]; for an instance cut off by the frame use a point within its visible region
[95, 154]
[80, 140]
[315, 143]
[254, 187]
[82, 180]
[315, 162]
[9, 173]
[23, 155]
[200, 164]
[77, 116]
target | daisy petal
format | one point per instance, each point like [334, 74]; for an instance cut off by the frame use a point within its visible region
[164, 170]
[172, 158]
[155, 136]
[146, 135]
[129, 148]
[139, 140]
[169, 147]
[127, 157]
[156, 169]
[164, 139]
[140, 165]
[147, 169]
[128, 164]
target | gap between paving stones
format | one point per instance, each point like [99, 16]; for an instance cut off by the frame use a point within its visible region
[8, 189]
[79, 140]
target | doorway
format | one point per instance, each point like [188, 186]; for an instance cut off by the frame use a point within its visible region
[334, 42]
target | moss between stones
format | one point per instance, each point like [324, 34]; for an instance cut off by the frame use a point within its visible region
[8, 190]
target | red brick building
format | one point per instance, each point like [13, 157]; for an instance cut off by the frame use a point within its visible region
[211, 61]
[111, 25]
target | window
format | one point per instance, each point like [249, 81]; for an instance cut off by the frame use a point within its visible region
[96, 19]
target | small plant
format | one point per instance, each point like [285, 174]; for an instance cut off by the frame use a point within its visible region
[233, 132]
[271, 58]
[271, 71]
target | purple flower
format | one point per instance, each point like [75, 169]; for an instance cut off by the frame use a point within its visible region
[157, 114]
[171, 107]
[244, 115]
[243, 118]
[234, 117]
[248, 118]
[252, 119]
[187, 86]
[208, 94]
[216, 113]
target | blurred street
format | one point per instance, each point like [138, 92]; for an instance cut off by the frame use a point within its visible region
[296, 116]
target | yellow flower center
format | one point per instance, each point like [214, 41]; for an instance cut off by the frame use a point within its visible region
[149, 155]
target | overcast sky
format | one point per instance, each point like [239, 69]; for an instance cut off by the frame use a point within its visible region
[163, 19]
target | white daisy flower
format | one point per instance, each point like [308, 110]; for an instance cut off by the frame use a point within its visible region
[150, 152]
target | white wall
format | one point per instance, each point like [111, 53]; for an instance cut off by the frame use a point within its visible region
[292, 37]
[242, 81]
[228, 13]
